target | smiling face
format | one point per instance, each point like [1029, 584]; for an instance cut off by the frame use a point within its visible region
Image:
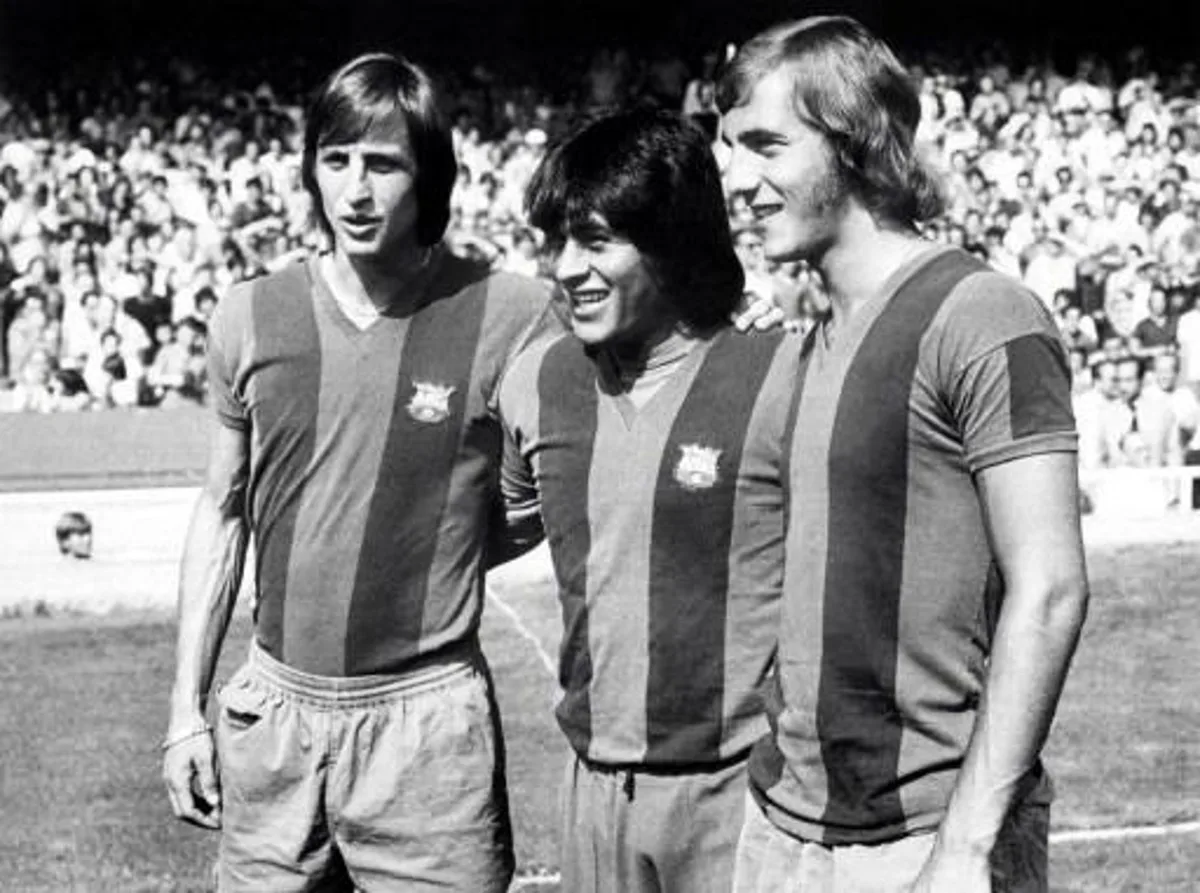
[613, 295]
[368, 191]
[786, 171]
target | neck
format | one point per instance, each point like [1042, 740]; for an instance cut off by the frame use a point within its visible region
[665, 347]
[382, 281]
[862, 257]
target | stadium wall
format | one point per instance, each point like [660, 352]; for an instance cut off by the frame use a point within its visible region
[103, 450]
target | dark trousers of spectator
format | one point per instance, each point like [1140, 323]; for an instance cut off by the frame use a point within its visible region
[1191, 458]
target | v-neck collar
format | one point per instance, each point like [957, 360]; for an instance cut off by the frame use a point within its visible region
[845, 334]
[324, 297]
[608, 380]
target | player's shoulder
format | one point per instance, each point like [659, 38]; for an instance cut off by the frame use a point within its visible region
[986, 309]
[776, 344]
[520, 386]
[519, 289]
[289, 282]
[549, 349]
[467, 275]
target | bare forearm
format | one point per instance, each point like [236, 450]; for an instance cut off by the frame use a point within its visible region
[522, 533]
[1033, 646]
[213, 560]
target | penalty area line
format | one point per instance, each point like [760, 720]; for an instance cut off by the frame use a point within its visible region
[524, 631]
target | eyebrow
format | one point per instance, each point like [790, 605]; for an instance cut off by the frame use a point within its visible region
[588, 229]
[367, 149]
[760, 136]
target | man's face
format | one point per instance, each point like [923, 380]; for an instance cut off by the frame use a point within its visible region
[1129, 381]
[613, 296]
[1106, 380]
[78, 544]
[101, 311]
[786, 170]
[368, 191]
[1166, 372]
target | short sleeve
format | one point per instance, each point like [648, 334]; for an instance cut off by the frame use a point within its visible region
[1003, 371]
[227, 335]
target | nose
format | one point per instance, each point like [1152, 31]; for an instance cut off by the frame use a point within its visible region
[571, 268]
[357, 186]
[739, 173]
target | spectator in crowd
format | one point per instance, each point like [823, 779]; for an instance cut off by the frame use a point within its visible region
[177, 373]
[1187, 336]
[32, 391]
[1157, 329]
[1146, 412]
[113, 376]
[69, 392]
[1183, 402]
[32, 330]
[155, 179]
[74, 535]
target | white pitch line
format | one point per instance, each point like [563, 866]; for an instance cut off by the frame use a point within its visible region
[524, 631]
[545, 880]
[1090, 835]
[1082, 835]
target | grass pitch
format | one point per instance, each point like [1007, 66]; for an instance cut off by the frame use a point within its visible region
[84, 702]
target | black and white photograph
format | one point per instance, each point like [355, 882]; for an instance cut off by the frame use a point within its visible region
[597, 446]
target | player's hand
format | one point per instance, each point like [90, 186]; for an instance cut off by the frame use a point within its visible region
[189, 770]
[759, 313]
[954, 871]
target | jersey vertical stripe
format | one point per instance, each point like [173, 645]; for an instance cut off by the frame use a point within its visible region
[689, 556]
[422, 446]
[374, 458]
[767, 761]
[285, 329]
[856, 711]
[568, 404]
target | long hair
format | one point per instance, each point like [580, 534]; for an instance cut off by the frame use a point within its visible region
[850, 87]
[366, 91]
[651, 175]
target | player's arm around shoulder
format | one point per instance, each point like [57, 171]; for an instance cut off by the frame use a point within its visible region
[518, 407]
[532, 305]
[1009, 390]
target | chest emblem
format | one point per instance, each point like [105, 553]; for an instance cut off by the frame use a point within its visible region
[430, 403]
[697, 468]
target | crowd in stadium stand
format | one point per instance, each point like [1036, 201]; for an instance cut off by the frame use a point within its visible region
[128, 205]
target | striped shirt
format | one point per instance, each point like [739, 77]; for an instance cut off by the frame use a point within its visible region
[374, 458]
[892, 591]
[665, 527]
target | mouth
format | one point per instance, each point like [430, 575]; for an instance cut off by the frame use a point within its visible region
[360, 223]
[588, 298]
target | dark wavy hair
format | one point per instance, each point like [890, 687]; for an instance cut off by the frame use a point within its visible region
[849, 85]
[365, 91]
[651, 175]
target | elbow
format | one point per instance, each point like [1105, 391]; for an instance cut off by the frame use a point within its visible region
[1064, 606]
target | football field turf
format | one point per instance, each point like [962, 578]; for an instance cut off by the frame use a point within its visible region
[84, 702]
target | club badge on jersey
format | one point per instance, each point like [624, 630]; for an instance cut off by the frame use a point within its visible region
[430, 403]
[697, 468]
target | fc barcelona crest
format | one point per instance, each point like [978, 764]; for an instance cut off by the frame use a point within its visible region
[697, 468]
[430, 403]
